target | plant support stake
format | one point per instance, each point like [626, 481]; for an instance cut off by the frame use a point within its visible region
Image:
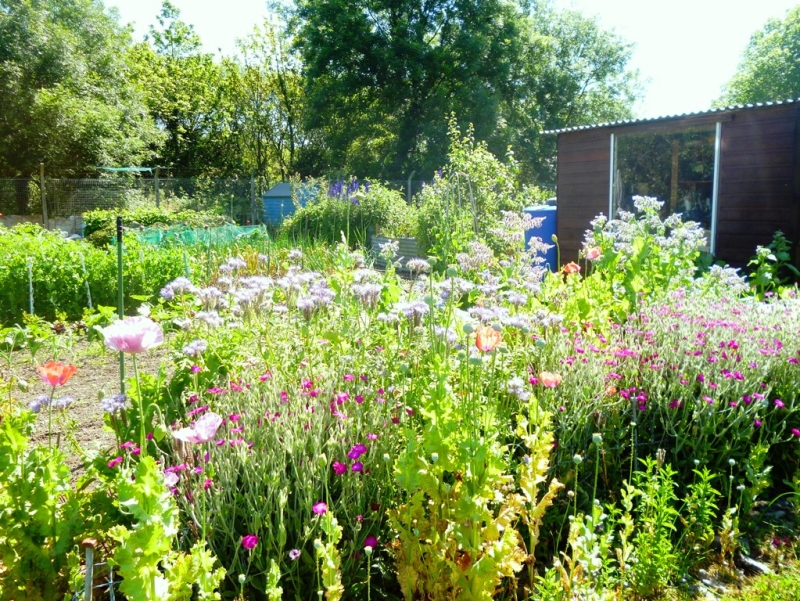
[120, 302]
[86, 281]
[30, 285]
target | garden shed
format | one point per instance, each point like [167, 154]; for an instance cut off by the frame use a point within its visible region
[735, 170]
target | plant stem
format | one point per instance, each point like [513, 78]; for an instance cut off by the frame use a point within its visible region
[142, 437]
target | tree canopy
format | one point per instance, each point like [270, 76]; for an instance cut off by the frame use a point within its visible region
[64, 93]
[361, 87]
[770, 65]
[382, 76]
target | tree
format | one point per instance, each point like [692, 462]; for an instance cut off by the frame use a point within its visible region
[267, 92]
[770, 65]
[571, 72]
[382, 76]
[65, 99]
[184, 91]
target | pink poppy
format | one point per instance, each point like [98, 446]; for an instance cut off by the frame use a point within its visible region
[133, 335]
[204, 429]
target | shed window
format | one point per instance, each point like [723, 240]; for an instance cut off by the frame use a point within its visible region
[677, 167]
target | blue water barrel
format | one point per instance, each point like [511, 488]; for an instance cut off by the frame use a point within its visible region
[545, 232]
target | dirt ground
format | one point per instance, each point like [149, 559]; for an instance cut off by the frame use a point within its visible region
[98, 372]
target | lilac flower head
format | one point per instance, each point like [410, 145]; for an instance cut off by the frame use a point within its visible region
[40, 401]
[114, 404]
[195, 348]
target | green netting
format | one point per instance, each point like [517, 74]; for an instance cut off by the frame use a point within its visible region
[214, 236]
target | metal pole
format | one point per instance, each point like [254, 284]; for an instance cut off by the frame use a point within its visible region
[89, 545]
[253, 199]
[30, 284]
[120, 302]
[158, 191]
[45, 220]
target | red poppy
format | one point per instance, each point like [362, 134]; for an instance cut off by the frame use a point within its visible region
[56, 374]
[487, 339]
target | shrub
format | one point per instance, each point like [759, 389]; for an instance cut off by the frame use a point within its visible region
[466, 198]
[101, 224]
[338, 209]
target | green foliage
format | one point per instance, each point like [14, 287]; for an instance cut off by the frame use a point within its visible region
[101, 224]
[465, 202]
[771, 265]
[339, 210]
[382, 78]
[66, 96]
[150, 569]
[769, 68]
[60, 280]
[43, 513]
[634, 258]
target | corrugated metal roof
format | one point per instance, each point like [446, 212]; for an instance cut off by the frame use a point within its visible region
[735, 107]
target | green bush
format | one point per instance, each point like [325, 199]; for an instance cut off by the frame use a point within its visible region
[465, 199]
[60, 281]
[101, 223]
[338, 208]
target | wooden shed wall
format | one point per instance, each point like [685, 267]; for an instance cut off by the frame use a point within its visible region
[757, 194]
[759, 184]
[583, 181]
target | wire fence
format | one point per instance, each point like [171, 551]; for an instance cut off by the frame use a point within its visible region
[234, 197]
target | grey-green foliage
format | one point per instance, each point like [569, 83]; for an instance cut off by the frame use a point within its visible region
[770, 65]
[64, 91]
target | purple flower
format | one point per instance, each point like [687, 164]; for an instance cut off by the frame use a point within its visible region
[339, 468]
[795, 432]
[371, 541]
[114, 462]
[779, 404]
[757, 423]
[357, 467]
[294, 554]
[204, 429]
[357, 451]
[249, 541]
[319, 508]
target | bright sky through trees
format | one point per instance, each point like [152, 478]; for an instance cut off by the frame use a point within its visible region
[686, 50]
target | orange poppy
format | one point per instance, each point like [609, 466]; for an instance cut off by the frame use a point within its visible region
[593, 253]
[487, 339]
[56, 374]
[549, 379]
[571, 268]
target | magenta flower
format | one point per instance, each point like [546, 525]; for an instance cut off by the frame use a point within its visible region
[339, 468]
[319, 508]
[204, 429]
[249, 541]
[207, 484]
[757, 423]
[357, 451]
[795, 432]
[357, 467]
[779, 404]
[114, 462]
[371, 541]
[133, 335]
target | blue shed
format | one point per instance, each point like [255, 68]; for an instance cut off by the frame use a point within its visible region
[278, 203]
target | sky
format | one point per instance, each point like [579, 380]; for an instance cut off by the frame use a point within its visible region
[685, 50]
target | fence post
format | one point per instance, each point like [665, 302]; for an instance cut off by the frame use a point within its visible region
[253, 198]
[408, 190]
[89, 544]
[158, 193]
[120, 302]
[45, 220]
